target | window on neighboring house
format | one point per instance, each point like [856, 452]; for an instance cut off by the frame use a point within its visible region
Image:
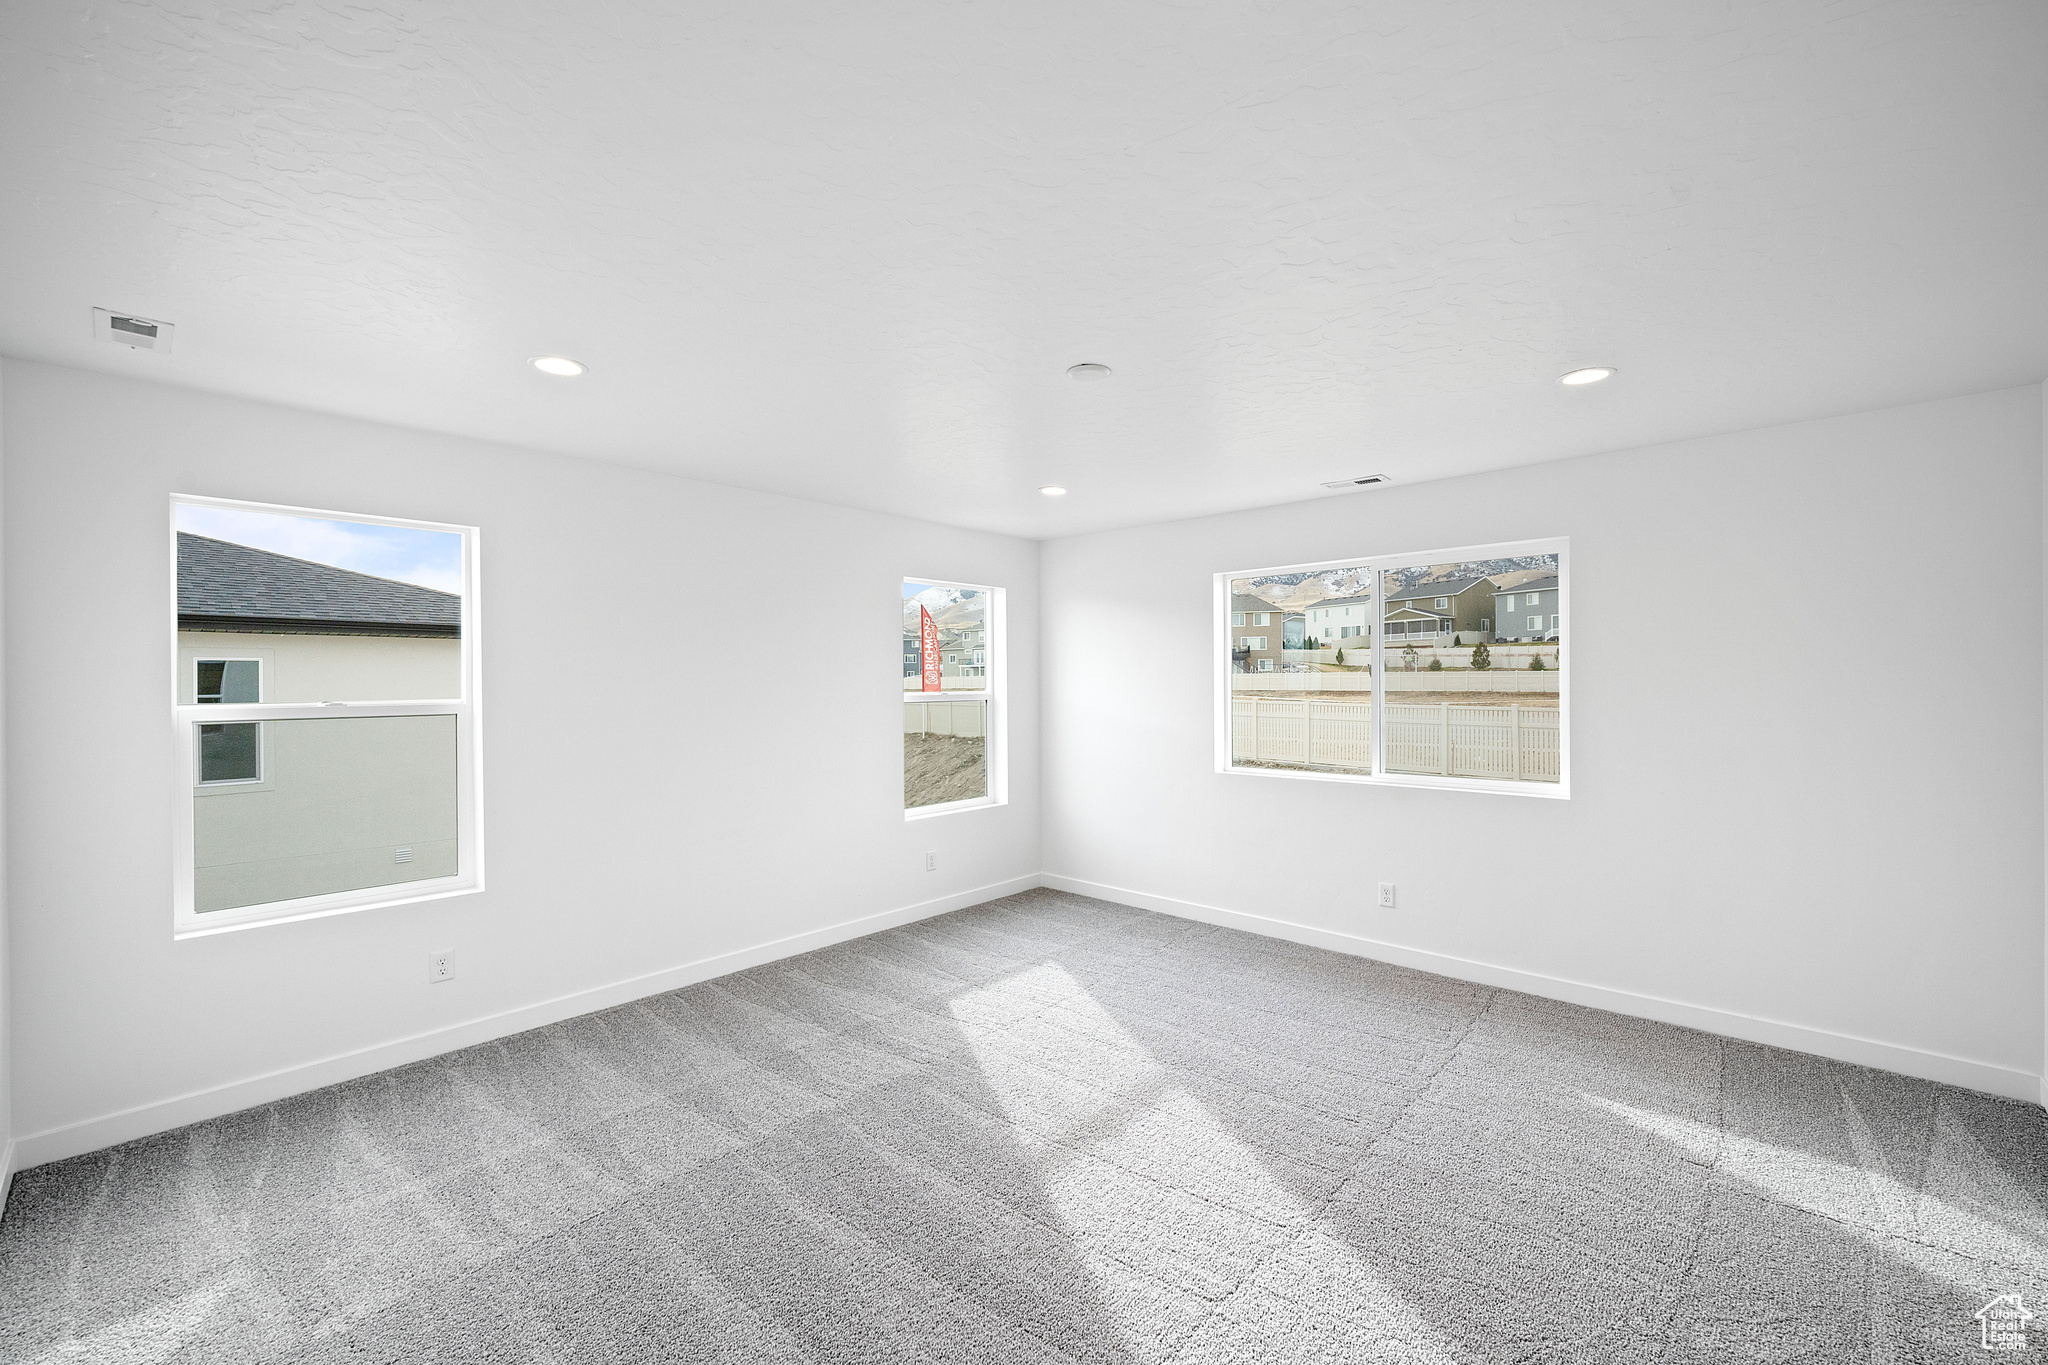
[323, 699]
[1407, 707]
[1265, 665]
[229, 753]
[227, 680]
[952, 720]
[1530, 599]
[1237, 618]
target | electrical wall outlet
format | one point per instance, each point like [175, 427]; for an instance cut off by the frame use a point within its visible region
[931, 861]
[440, 966]
[1386, 895]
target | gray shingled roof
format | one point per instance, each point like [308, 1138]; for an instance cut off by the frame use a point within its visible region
[1450, 587]
[222, 585]
[1533, 585]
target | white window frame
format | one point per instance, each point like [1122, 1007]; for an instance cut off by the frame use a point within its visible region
[1378, 567]
[186, 922]
[1535, 622]
[992, 694]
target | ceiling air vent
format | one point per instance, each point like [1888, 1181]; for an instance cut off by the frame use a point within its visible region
[1368, 481]
[125, 329]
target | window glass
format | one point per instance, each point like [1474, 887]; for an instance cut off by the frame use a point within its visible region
[346, 804]
[948, 706]
[230, 753]
[1460, 701]
[229, 680]
[1306, 708]
[339, 610]
[945, 752]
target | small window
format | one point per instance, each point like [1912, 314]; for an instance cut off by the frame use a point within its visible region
[1485, 623]
[1535, 623]
[1265, 665]
[1530, 599]
[1442, 602]
[1237, 618]
[952, 722]
[230, 753]
[227, 680]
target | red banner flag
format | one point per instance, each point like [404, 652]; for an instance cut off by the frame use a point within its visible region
[928, 635]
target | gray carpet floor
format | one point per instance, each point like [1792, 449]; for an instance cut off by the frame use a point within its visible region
[1050, 1129]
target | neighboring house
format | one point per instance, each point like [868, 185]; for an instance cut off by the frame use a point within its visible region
[1529, 611]
[1335, 620]
[963, 653]
[1293, 631]
[1437, 613]
[1257, 633]
[359, 801]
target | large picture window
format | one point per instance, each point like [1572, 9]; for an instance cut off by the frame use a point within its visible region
[323, 713]
[1440, 669]
[952, 726]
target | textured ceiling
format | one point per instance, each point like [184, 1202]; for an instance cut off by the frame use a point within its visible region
[848, 251]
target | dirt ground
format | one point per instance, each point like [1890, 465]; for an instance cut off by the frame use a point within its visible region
[1417, 698]
[943, 768]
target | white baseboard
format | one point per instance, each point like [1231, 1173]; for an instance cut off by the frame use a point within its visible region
[55, 1144]
[1842, 1047]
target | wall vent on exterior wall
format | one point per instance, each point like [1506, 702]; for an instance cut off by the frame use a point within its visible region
[403, 855]
[1342, 484]
[125, 329]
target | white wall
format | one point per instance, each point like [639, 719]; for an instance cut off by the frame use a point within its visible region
[1853, 867]
[634, 820]
[7, 1152]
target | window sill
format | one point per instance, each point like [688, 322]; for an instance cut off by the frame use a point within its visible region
[1549, 791]
[213, 922]
[953, 808]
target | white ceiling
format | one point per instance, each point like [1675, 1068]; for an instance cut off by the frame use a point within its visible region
[848, 251]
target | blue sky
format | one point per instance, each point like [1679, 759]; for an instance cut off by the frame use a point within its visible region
[432, 559]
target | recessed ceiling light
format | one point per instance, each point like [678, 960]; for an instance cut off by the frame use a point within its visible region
[1053, 490]
[1089, 370]
[559, 366]
[1592, 374]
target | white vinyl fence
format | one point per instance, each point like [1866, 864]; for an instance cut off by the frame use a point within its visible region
[966, 719]
[1510, 742]
[1485, 680]
[967, 682]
